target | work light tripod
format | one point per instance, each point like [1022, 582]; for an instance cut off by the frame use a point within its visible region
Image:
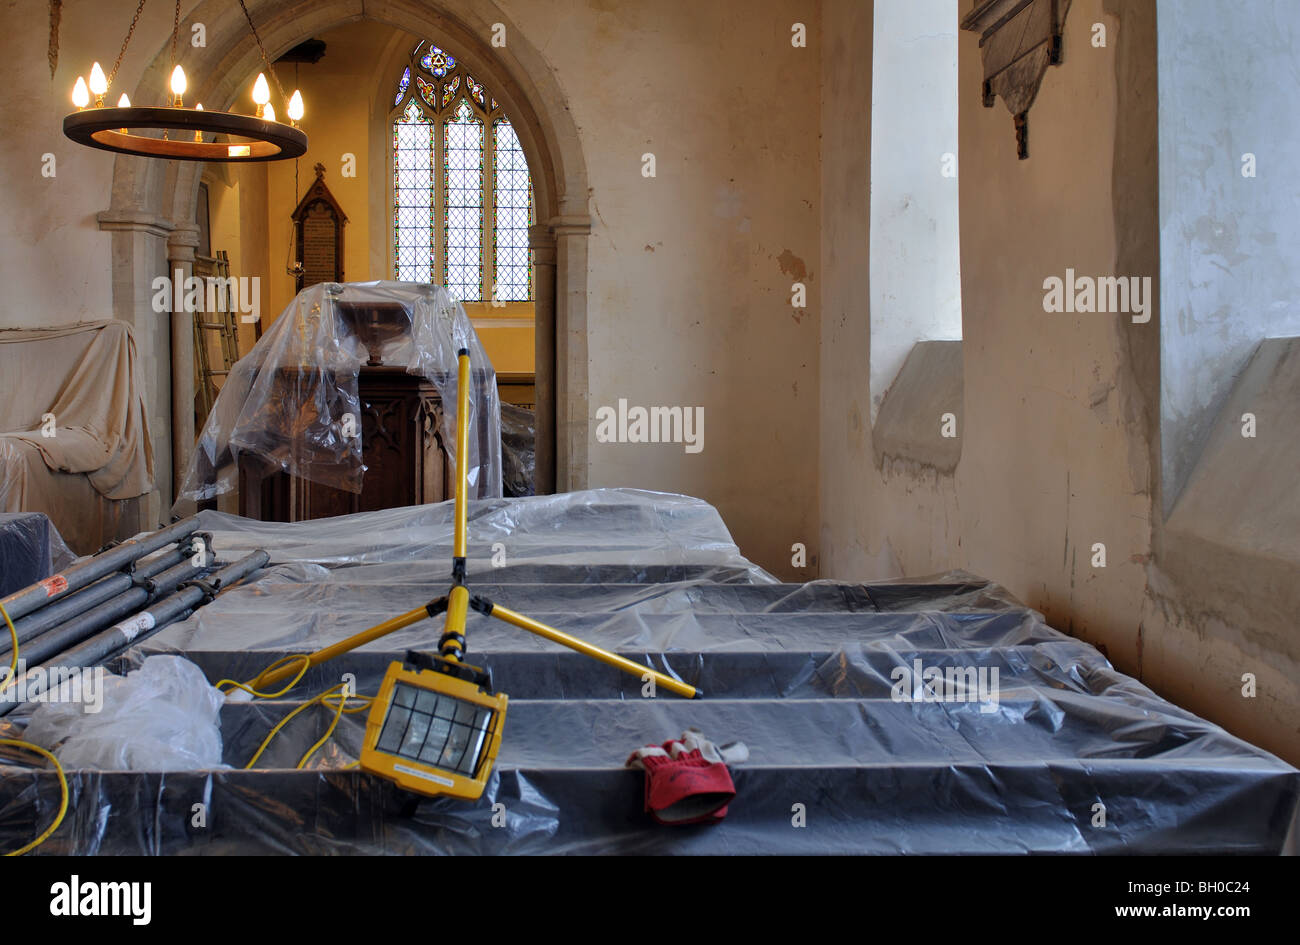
[477, 713]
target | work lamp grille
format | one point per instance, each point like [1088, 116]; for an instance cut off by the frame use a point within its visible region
[435, 729]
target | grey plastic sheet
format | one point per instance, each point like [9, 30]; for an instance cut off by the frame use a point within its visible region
[31, 549]
[293, 403]
[807, 675]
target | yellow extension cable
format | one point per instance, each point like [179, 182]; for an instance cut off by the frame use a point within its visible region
[340, 710]
[323, 698]
[28, 746]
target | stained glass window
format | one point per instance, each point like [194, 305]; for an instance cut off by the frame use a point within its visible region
[513, 206]
[462, 193]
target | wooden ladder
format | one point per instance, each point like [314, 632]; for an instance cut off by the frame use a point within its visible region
[224, 323]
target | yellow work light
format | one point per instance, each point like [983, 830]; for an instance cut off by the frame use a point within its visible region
[435, 727]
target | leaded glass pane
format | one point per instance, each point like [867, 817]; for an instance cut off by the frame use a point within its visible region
[402, 85]
[512, 267]
[437, 61]
[463, 199]
[413, 183]
[474, 88]
[449, 90]
[427, 92]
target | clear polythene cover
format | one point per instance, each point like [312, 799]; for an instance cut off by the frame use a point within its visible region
[1028, 742]
[293, 402]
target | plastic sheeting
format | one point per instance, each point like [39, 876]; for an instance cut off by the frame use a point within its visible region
[518, 451]
[31, 549]
[161, 717]
[825, 682]
[293, 400]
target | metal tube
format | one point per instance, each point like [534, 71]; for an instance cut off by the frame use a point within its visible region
[462, 452]
[158, 615]
[56, 587]
[57, 639]
[136, 628]
[54, 614]
[587, 649]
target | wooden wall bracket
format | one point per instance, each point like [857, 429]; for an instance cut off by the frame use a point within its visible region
[1019, 39]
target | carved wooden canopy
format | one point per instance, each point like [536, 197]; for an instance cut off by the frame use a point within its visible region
[1019, 39]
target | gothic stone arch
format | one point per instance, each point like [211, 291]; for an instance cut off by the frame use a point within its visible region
[151, 213]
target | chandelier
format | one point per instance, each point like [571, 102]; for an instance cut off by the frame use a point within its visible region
[185, 134]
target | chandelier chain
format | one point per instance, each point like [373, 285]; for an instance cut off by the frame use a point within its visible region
[126, 42]
[269, 68]
[176, 28]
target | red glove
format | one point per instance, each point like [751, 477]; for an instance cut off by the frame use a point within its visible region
[686, 779]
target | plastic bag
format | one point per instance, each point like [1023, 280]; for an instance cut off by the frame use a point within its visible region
[162, 717]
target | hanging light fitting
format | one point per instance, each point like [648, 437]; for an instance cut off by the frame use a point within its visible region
[204, 135]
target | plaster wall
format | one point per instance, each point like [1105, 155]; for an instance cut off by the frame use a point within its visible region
[879, 517]
[1053, 455]
[691, 270]
[56, 262]
[1228, 240]
[1219, 627]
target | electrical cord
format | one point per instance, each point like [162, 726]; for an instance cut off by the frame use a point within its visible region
[28, 746]
[249, 687]
[63, 787]
[342, 708]
[322, 698]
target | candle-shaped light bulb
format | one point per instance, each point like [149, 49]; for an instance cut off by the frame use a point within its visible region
[261, 94]
[178, 84]
[123, 102]
[295, 107]
[98, 84]
[268, 112]
[80, 94]
[198, 135]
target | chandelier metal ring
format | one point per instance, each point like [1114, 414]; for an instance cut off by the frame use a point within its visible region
[253, 139]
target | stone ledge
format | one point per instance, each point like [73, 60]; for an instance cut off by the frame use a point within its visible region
[909, 424]
[1232, 542]
[1243, 493]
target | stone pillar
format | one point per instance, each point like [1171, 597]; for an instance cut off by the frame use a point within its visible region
[139, 253]
[572, 375]
[542, 243]
[180, 266]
